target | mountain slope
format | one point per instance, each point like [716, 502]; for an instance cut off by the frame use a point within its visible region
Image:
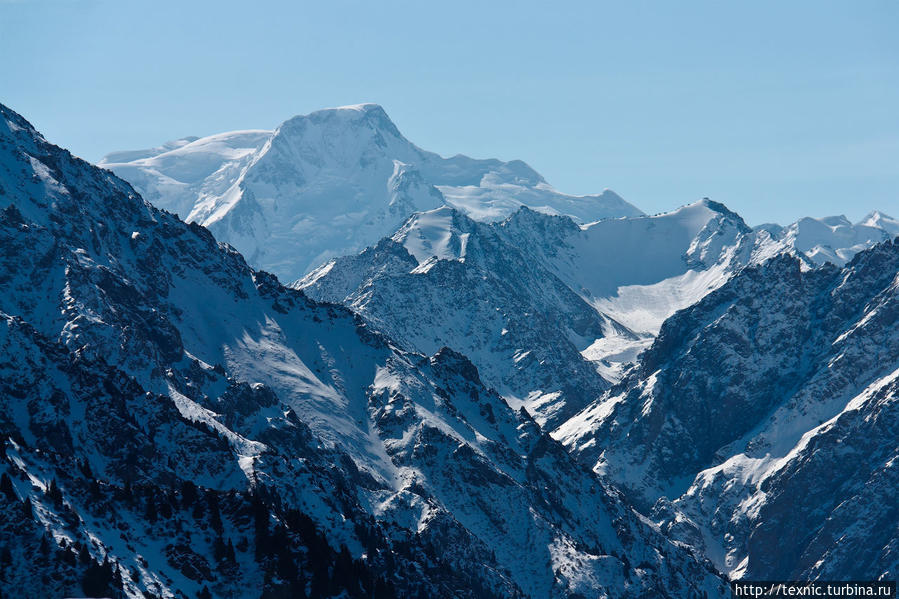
[761, 422]
[149, 360]
[522, 311]
[446, 280]
[537, 301]
[330, 183]
[640, 270]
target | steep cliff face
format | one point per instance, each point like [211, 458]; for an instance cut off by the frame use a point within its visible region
[538, 301]
[759, 420]
[446, 280]
[147, 370]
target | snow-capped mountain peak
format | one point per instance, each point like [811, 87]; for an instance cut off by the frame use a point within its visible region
[331, 182]
[335, 138]
[833, 239]
[438, 233]
[880, 220]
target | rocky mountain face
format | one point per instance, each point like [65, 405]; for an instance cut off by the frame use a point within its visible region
[450, 412]
[174, 423]
[756, 428]
[537, 301]
[640, 270]
[329, 184]
[446, 280]
[760, 426]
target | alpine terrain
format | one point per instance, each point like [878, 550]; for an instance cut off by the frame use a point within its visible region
[360, 369]
[760, 426]
[553, 297]
[330, 183]
[177, 424]
[549, 310]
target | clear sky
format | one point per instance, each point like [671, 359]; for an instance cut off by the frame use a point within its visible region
[778, 109]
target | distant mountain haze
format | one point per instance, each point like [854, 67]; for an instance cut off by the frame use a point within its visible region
[330, 183]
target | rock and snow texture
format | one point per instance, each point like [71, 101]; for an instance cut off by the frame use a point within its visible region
[832, 239]
[759, 427]
[446, 280]
[523, 289]
[141, 357]
[640, 270]
[330, 183]
[141, 360]
[762, 422]
[550, 311]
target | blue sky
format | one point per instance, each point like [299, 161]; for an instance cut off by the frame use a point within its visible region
[777, 109]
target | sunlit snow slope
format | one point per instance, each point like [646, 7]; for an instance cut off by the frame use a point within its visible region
[330, 183]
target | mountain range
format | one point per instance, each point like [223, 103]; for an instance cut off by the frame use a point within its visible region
[178, 424]
[330, 183]
[464, 384]
[760, 426]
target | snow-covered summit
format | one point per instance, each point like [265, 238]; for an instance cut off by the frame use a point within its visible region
[176, 174]
[446, 279]
[833, 239]
[331, 182]
[881, 221]
[639, 270]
